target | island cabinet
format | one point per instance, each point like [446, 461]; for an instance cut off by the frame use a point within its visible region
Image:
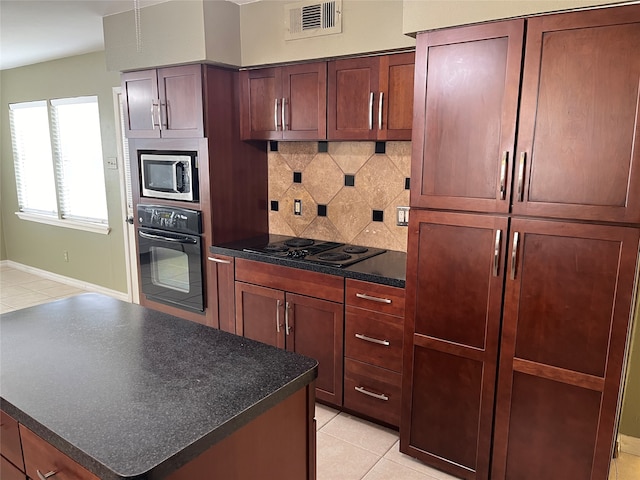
[284, 103]
[374, 317]
[11, 459]
[297, 310]
[164, 102]
[371, 98]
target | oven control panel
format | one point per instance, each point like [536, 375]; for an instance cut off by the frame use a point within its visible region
[170, 219]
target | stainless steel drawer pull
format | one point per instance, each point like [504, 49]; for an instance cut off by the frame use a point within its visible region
[45, 475]
[218, 260]
[275, 115]
[278, 305]
[503, 175]
[380, 111]
[523, 159]
[371, 111]
[386, 343]
[379, 396]
[375, 299]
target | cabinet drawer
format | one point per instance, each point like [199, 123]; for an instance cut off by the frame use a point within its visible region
[39, 455]
[10, 440]
[9, 472]
[374, 338]
[372, 391]
[373, 296]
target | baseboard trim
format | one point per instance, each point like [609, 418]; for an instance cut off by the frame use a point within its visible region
[629, 444]
[67, 280]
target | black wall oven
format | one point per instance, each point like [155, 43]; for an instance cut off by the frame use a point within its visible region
[170, 254]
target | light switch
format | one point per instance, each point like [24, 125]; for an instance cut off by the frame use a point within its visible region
[297, 207]
[402, 219]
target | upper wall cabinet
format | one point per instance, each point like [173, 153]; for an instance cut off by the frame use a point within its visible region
[578, 131]
[284, 103]
[371, 98]
[166, 103]
[464, 136]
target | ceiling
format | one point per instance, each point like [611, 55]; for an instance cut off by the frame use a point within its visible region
[33, 31]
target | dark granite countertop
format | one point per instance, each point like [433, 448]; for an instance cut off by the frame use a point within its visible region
[388, 268]
[129, 392]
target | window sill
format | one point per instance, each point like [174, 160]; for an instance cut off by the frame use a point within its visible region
[75, 224]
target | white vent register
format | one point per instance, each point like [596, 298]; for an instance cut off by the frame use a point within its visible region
[312, 19]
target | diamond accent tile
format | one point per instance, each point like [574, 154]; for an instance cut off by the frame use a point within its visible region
[298, 154]
[323, 178]
[351, 156]
[377, 234]
[349, 212]
[309, 208]
[323, 229]
[400, 155]
[278, 225]
[280, 175]
[379, 182]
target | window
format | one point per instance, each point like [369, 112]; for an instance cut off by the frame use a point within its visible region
[57, 151]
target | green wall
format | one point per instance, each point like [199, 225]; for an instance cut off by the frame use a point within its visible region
[93, 258]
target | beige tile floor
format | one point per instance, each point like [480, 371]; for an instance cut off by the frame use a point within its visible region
[348, 448]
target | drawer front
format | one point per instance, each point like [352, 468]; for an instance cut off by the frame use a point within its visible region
[39, 455]
[373, 296]
[10, 447]
[374, 338]
[9, 472]
[372, 391]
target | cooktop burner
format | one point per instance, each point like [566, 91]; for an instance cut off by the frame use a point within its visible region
[315, 251]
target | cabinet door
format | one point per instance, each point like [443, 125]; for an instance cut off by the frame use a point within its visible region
[221, 292]
[10, 446]
[566, 316]
[261, 112]
[304, 102]
[395, 100]
[260, 314]
[353, 86]
[466, 101]
[180, 96]
[315, 328]
[579, 129]
[453, 307]
[140, 96]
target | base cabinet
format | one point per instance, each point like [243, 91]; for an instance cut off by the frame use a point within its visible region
[274, 306]
[11, 459]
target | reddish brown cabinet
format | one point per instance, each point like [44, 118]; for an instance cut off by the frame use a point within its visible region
[469, 81]
[284, 103]
[567, 308]
[281, 306]
[577, 153]
[164, 102]
[455, 272]
[371, 98]
[221, 292]
[373, 350]
[11, 459]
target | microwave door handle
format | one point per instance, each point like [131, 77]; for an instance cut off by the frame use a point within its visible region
[175, 176]
[167, 239]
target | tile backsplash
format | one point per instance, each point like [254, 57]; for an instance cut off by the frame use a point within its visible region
[348, 192]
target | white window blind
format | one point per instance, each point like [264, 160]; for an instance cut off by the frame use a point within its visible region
[58, 160]
[32, 157]
[78, 146]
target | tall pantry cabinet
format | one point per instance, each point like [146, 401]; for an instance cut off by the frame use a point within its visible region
[522, 254]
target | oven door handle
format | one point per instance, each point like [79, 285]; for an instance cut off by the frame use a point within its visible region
[167, 239]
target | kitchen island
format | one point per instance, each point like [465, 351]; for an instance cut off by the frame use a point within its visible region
[128, 392]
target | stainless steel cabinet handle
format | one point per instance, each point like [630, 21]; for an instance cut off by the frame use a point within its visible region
[155, 113]
[287, 329]
[275, 115]
[375, 299]
[164, 120]
[514, 255]
[373, 340]
[284, 118]
[523, 158]
[496, 253]
[278, 304]
[503, 175]
[44, 476]
[380, 111]
[379, 396]
[218, 260]
[371, 111]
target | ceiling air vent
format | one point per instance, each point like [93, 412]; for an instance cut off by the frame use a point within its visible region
[312, 19]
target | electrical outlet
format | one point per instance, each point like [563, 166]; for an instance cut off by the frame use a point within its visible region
[297, 207]
[402, 218]
[65, 254]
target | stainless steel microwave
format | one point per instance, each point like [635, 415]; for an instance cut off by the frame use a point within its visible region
[170, 175]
